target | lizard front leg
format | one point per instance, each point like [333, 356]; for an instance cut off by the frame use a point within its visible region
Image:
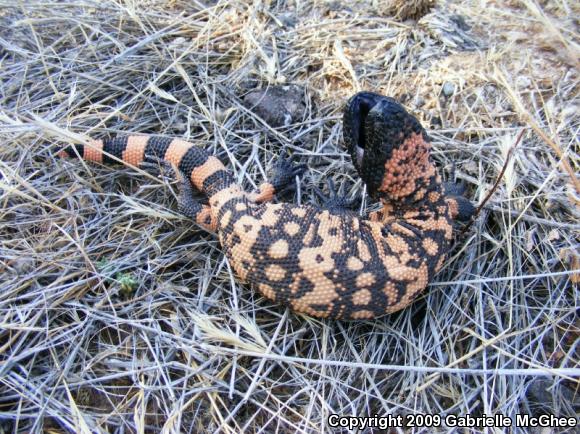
[283, 181]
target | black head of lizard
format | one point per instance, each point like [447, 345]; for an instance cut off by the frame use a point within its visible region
[389, 147]
[391, 152]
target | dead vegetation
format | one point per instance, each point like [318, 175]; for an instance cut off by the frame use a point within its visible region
[117, 315]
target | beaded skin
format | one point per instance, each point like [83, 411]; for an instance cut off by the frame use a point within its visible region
[322, 262]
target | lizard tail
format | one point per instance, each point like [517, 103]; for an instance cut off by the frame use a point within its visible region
[205, 171]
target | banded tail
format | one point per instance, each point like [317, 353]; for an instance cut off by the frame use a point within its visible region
[205, 171]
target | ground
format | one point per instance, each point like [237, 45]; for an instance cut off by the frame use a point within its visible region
[117, 314]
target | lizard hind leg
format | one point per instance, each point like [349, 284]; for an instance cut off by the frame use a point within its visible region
[187, 201]
[192, 208]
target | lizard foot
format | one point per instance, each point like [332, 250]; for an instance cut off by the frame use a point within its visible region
[336, 200]
[285, 173]
[461, 208]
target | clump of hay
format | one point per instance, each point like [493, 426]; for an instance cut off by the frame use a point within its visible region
[410, 9]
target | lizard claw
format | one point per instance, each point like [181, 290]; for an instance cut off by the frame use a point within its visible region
[454, 188]
[335, 200]
[285, 173]
[158, 167]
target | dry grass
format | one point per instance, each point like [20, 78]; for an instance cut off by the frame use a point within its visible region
[117, 315]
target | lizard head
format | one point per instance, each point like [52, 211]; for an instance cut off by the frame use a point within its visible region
[389, 148]
[391, 152]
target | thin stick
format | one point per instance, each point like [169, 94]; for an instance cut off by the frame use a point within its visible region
[495, 185]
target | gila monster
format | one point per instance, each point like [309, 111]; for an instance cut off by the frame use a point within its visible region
[322, 262]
